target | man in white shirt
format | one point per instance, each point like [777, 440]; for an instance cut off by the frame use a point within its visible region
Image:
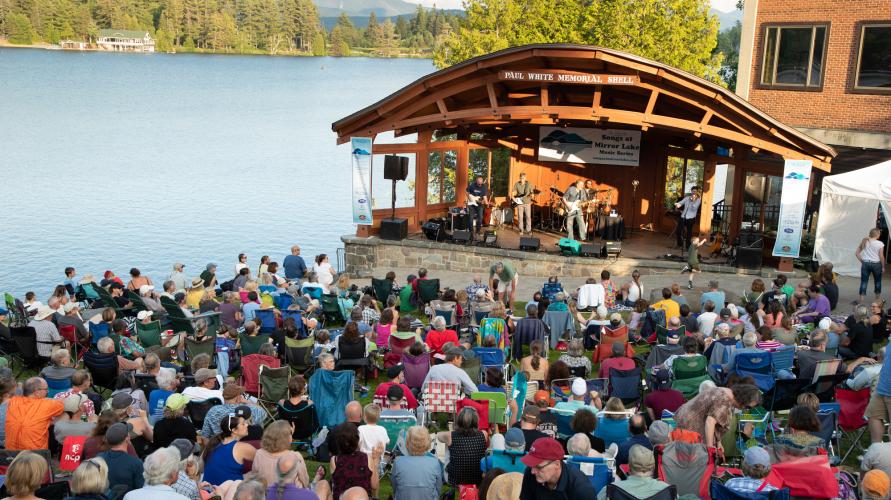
[205, 381]
[451, 371]
[591, 294]
[161, 470]
[707, 318]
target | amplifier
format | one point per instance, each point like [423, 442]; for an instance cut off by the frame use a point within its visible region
[434, 229]
[461, 236]
[749, 258]
[612, 249]
[588, 250]
[529, 244]
[394, 228]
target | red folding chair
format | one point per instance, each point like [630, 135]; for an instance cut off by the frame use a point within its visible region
[851, 419]
[250, 370]
[69, 333]
[481, 407]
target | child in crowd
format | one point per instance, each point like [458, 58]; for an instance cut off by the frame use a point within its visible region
[372, 435]
[31, 302]
[323, 343]
[692, 265]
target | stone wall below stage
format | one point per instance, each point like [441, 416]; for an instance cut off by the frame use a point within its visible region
[367, 257]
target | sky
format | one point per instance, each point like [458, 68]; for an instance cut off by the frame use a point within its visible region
[722, 5]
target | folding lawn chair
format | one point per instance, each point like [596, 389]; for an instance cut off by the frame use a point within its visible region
[267, 320]
[251, 345]
[298, 354]
[720, 492]
[197, 410]
[98, 331]
[330, 309]
[273, 386]
[282, 301]
[428, 290]
[783, 359]
[689, 466]
[507, 460]
[564, 419]
[69, 333]
[598, 470]
[382, 288]
[57, 385]
[482, 409]
[851, 418]
[149, 334]
[497, 405]
[828, 418]
[440, 397]
[396, 348]
[250, 370]
[491, 357]
[207, 345]
[397, 426]
[689, 372]
[472, 367]
[298, 320]
[415, 369]
[612, 430]
[495, 327]
[448, 310]
[330, 392]
[305, 420]
[625, 384]
[756, 365]
[614, 492]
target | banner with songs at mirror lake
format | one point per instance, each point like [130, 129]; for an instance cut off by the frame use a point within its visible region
[793, 200]
[360, 157]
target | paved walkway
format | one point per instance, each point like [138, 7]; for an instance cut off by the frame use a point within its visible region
[735, 284]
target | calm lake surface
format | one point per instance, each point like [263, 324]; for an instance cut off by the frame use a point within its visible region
[113, 161]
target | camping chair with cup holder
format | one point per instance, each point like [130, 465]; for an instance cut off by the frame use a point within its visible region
[298, 354]
[273, 387]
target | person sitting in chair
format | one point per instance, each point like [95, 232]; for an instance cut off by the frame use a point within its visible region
[618, 361]
[640, 482]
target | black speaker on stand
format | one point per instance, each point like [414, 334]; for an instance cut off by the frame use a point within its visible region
[395, 169]
[750, 250]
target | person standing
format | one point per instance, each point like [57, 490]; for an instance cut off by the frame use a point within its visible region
[692, 265]
[523, 191]
[871, 254]
[476, 199]
[507, 281]
[689, 207]
[573, 199]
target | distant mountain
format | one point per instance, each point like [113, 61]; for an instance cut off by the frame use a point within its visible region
[727, 19]
[361, 22]
[382, 8]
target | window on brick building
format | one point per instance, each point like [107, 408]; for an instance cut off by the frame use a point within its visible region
[793, 56]
[874, 61]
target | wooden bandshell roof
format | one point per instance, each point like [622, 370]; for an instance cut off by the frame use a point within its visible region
[476, 96]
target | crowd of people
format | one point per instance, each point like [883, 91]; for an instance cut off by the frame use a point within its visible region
[597, 373]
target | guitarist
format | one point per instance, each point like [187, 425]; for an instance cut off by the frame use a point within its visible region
[574, 198]
[476, 198]
[523, 191]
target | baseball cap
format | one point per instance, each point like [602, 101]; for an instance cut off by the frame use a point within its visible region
[243, 411]
[662, 376]
[141, 315]
[3, 311]
[232, 391]
[542, 395]
[824, 324]
[394, 371]
[185, 447]
[672, 334]
[121, 400]
[117, 433]
[640, 458]
[514, 438]
[876, 483]
[579, 387]
[176, 401]
[726, 312]
[144, 289]
[107, 274]
[543, 450]
[531, 413]
[615, 317]
[756, 455]
[72, 403]
[659, 432]
[116, 286]
[395, 393]
[203, 374]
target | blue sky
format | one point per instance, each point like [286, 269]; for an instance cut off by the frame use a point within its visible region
[722, 5]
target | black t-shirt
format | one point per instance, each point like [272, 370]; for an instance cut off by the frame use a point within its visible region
[121, 301]
[830, 290]
[880, 329]
[168, 429]
[530, 435]
[861, 337]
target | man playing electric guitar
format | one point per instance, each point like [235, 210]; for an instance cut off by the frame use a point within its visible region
[476, 198]
[575, 198]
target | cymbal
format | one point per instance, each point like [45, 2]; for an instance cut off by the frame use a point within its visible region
[536, 191]
[556, 191]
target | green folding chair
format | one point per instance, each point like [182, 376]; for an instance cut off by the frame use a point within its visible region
[251, 345]
[136, 300]
[298, 354]
[428, 290]
[149, 334]
[331, 309]
[689, 372]
[497, 406]
[273, 384]
[206, 345]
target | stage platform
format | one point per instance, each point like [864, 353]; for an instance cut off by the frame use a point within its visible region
[643, 250]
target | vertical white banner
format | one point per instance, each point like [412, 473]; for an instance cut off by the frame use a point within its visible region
[360, 156]
[793, 200]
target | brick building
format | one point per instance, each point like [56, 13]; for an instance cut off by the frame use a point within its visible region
[824, 67]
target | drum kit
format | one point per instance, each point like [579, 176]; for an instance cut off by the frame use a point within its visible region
[551, 216]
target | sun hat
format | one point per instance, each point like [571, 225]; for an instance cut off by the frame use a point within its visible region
[141, 315]
[543, 450]
[505, 487]
[579, 387]
[44, 312]
[144, 289]
[202, 374]
[876, 483]
[70, 307]
[73, 402]
[176, 401]
[640, 458]
[197, 282]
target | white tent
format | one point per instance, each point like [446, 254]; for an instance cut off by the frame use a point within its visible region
[847, 213]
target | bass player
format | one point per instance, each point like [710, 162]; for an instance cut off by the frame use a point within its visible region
[574, 199]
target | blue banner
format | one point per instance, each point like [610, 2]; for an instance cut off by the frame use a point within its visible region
[793, 200]
[360, 155]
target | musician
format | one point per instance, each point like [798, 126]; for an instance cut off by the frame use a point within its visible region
[589, 189]
[476, 199]
[689, 207]
[523, 191]
[573, 199]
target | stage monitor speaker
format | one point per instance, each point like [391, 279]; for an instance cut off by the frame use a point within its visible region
[434, 230]
[461, 236]
[394, 228]
[529, 244]
[749, 239]
[569, 247]
[395, 168]
[612, 249]
[749, 258]
[490, 239]
[589, 250]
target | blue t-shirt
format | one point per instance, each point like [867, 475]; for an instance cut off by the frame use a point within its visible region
[477, 190]
[157, 400]
[884, 386]
[123, 469]
[250, 311]
[717, 297]
[295, 267]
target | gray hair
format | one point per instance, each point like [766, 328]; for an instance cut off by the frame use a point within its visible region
[722, 328]
[531, 311]
[250, 490]
[160, 466]
[713, 284]
[576, 348]
[324, 357]
[560, 297]
[53, 302]
[32, 385]
[749, 339]
[105, 344]
[578, 445]
[438, 323]
[602, 311]
[151, 361]
[59, 356]
[200, 325]
[165, 377]
[861, 314]
[169, 284]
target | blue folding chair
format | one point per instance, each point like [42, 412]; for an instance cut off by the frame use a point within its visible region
[598, 470]
[298, 320]
[489, 357]
[718, 491]
[57, 385]
[267, 288]
[282, 301]
[757, 365]
[828, 417]
[564, 417]
[267, 320]
[508, 460]
[612, 430]
[98, 331]
[783, 358]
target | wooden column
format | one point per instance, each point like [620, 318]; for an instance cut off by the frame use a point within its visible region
[708, 192]
[421, 176]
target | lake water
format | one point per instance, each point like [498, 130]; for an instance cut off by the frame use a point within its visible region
[111, 161]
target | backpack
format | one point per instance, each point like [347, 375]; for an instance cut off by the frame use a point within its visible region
[847, 486]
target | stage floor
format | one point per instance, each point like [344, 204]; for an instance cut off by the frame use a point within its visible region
[644, 245]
